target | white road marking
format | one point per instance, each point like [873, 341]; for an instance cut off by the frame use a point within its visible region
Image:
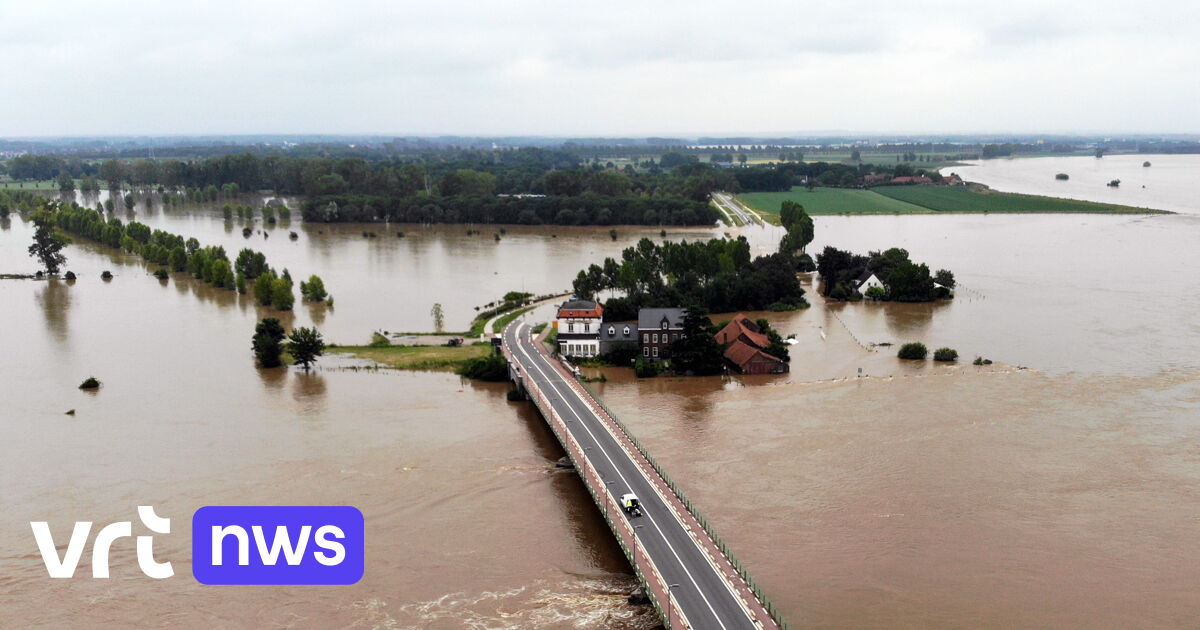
[667, 541]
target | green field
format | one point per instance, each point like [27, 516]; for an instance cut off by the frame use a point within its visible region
[925, 199]
[425, 358]
[963, 199]
[831, 201]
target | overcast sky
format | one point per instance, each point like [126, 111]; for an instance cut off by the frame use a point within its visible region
[598, 68]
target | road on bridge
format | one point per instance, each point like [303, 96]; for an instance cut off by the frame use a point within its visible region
[705, 597]
[734, 207]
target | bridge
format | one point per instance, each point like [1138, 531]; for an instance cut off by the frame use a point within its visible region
[687, 571]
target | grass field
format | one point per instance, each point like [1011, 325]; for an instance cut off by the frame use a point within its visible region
[925, 199]
[42, 185]
[831, 201]
[963, 199]
[433, 358]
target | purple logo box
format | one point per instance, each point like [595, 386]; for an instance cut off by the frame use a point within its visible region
[277, 544]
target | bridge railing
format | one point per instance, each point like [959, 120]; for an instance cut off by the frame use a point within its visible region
[643, 564]
[691, 508]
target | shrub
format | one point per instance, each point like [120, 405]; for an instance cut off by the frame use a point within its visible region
[90, 383]
[489, 368]
[945, 354]
[161, 274]
[876, 293]
[379, 340]
[913, 351]
[106, 275]
[982, 361]
[314, 289]
[644, 369]
[70, 275]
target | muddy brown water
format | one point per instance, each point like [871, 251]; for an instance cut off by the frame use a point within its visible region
[1063, 495]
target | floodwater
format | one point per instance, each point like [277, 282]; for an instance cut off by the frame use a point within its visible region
[1169, 183]
[1063, 495]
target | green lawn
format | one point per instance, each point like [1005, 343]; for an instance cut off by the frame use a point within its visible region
[964, 199]
[830, 201]
[436, 358]
[29, 185]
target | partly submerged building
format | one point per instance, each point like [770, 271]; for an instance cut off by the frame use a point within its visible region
[578, 326]
[659, 327]
[745, 348]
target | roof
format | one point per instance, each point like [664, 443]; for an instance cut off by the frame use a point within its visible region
[580, 308]
[741, 328]
[741, 353]
[867, 275]
[619, 331]
[649, 318]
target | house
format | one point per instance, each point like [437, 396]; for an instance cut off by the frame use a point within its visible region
[658, 328]
[578, 327]
[876, 179]
[740, 328]
[745, 348]
[867, 280]
[906, 180]
[613, 333]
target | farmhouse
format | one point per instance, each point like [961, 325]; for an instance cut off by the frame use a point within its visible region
[658, 328]
[745, 348]
[578, 327]
[867, 280]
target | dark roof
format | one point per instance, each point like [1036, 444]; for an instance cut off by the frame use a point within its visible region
[579, 305]
[649, 318]
[619, 331]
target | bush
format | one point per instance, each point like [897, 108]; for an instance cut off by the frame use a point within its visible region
[493, 368]
[379, 340]
[945, 354]
[913, 351]
[106, 275]
[982, 361]
[90, 383]
[314, 289]
[161, 274]
[645, 369]
[70, 275]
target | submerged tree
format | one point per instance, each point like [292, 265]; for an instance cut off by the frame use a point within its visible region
[47, 243]
[305, 345]
[439, 319]
[267, 343]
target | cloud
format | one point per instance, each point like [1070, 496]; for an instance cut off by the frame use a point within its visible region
[536, 67]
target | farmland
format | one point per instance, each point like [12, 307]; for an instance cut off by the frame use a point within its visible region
[973, 199]
[924, 200]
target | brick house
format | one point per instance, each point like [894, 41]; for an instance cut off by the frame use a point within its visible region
[658, 327]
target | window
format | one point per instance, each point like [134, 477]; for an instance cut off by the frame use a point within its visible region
[645, 352]
[664, 324]
[612, 331]
[626, 331]
[655, 337]
[645, 337]
[656, 351]
[570, 327]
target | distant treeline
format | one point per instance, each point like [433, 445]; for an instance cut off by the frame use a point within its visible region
[587, 209]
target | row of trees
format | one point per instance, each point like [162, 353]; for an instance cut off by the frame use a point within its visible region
[304, 344]
[903, 280]
[717, 275]
[587, 209]
[210, 263]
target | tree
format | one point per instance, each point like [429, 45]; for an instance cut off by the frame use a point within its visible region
[945, 354]
[439, 318]
[281, 294]
[314, 289]
[697, 351]
[855, 156]
[799, 226]
[264, 289]
[47, 243]
[66, 183]
[113, 172]
[305, 345]
[268, 335]
[742, 159]
[945, 278]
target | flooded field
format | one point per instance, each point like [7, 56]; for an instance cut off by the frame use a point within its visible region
[1062, 495]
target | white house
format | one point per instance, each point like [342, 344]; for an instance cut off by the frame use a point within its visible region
[578, 327]
[868, 280]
